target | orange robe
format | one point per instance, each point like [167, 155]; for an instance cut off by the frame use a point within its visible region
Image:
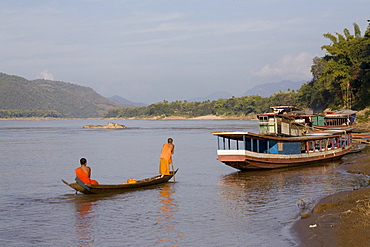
[165, 159]
[81, 174]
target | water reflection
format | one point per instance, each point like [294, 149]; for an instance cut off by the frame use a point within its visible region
[246, 193]
[166, 222]
[84, 221]
[276, 198]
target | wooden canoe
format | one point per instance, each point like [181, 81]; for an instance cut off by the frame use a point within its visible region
[117, 188]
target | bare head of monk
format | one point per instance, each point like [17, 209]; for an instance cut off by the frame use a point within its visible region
[170, 140]
[83, 161]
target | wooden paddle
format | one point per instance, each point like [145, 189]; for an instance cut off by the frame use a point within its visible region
[173, 170]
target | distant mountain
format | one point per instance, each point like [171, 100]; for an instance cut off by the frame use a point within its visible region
[213, 96]
[265, 90]
[69, 100]
[125, 102]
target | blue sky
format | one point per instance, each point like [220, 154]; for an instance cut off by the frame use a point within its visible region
[154, 50]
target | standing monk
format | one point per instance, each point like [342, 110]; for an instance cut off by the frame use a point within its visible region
[84, 172]
[166, 157]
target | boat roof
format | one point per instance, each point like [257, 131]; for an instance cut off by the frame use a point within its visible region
[284, 107]
[238, 135]
[334, 128]
[337, 115]
[341, 112]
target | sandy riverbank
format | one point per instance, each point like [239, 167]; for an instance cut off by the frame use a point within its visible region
[341, 219]
[207, 117]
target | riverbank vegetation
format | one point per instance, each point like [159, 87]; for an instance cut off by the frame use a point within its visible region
[364, 116]
[29, 114]
[235, 106]
[340, 79]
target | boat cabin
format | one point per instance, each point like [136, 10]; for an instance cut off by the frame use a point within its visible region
[343, 117]
[285, 121]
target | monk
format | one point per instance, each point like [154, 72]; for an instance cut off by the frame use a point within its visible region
[84, 172]
[166, 157]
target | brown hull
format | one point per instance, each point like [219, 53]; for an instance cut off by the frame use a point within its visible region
[252, 163]
[117, 188]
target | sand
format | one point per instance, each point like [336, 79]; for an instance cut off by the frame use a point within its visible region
[341, 219]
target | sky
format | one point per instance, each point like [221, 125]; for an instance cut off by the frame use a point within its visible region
[153, 50]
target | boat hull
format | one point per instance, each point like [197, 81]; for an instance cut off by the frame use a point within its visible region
[117, 188]
[255, 161]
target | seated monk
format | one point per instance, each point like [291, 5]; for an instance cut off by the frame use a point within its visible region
[84, 172]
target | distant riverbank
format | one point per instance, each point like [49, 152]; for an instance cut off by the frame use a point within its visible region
[208, 117]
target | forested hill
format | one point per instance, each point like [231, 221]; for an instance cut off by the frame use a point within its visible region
[20, 97]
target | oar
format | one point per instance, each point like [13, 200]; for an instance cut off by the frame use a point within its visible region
[173, 170]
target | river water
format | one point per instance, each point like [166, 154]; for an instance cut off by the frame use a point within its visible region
[209, 204]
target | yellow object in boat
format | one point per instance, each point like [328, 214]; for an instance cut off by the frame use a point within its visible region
[131, 181]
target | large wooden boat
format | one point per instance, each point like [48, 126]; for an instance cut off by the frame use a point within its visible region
[250, 151]
[80, 186]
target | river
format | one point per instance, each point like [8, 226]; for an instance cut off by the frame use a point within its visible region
[209, 204]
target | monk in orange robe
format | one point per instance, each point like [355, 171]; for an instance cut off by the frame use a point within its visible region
[84, 172]
[166, 157]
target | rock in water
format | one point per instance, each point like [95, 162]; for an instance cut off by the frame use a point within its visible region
[110, 125]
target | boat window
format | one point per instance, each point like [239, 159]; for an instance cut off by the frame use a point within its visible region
[263, 122]
[303, 147]
[263, 119]
[225, 143]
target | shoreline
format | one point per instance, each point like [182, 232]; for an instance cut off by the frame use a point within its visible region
[358, 127]
[207, 117]
[340, 219]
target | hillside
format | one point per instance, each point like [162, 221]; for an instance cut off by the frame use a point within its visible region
[213, 96]
[69, 100]
[125, 102]
[266, 90]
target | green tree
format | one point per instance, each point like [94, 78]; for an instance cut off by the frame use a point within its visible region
[340, 76]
